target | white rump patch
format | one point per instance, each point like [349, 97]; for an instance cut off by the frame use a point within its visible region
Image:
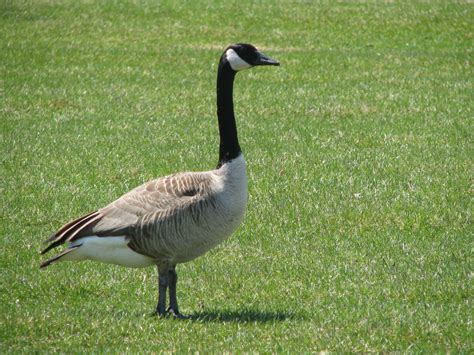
[235, 61]
[111, 250]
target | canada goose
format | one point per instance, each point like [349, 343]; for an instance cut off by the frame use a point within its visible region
[175, 218]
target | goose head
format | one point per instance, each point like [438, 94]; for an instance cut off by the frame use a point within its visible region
[243, 56]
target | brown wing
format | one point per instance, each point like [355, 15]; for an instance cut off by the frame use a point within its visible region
[165, 195]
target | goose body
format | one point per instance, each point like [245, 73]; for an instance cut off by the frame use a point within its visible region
[176, 218]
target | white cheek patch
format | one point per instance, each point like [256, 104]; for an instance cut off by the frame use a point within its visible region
[236, 63]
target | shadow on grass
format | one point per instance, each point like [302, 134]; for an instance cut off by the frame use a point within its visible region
[243, 316]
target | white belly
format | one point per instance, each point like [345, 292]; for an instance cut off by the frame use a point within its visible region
[111, 250]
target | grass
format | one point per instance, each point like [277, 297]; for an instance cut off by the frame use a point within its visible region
[358, 235]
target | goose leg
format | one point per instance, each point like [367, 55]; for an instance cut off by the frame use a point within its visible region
[163, 283]
[173, 280]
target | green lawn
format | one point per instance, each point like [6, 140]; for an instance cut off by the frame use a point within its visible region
[358, 235]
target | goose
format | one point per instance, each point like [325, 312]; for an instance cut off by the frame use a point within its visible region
[176, 218]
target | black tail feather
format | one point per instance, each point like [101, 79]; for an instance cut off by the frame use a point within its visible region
[59, 256]
[67, 232]
[51, 246]
[67, 226]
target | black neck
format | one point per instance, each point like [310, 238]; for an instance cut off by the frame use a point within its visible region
[229, 143]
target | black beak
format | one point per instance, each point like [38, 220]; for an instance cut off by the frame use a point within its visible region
[264, 60]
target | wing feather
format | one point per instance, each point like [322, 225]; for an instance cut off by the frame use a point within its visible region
[153, 201]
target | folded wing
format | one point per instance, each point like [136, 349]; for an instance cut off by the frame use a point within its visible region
[158, 199]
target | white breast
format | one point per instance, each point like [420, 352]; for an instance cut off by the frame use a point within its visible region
[231, 187]
[230, 196]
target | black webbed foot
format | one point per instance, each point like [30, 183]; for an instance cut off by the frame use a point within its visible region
[176, 314]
